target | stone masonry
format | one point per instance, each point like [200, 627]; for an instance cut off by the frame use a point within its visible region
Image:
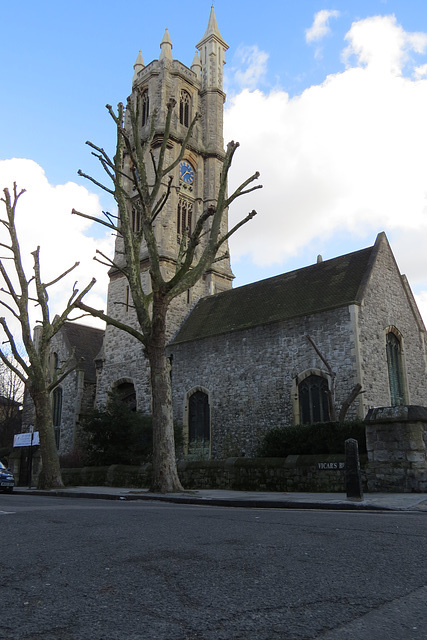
[251, 375]
[201, 85]
[396, 439]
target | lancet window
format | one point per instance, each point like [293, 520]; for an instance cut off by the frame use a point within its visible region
[184, 217]
[184, 108]
[136, 220]
[145, 107]
[395, 369]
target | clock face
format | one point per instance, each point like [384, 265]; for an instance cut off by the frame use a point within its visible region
[186, 172]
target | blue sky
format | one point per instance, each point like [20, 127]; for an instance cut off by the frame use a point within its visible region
[328, 101]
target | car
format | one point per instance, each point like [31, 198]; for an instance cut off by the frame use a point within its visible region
[7, 481]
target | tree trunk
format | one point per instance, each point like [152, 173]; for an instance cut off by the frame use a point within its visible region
[348, 401]
[165, 475]
[50, 474]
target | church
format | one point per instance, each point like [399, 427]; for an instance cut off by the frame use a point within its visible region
[287, 350]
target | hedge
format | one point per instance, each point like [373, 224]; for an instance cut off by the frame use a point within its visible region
[313, 439]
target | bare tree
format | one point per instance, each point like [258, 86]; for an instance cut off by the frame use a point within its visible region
[132, 188]
[34, 371]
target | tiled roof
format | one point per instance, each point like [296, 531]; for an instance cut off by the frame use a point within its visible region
[87, 342]
[319, 287]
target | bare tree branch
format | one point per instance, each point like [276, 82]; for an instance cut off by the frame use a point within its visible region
[60, 277]
[109, 225]
[98, 184]
[249, 217]
[357, 389]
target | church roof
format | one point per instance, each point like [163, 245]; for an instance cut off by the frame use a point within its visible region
[326, 285]
[87, 342]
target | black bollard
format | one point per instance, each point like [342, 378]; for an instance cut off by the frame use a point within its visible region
[353, 478]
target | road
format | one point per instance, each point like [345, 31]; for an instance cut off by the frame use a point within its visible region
[74, 569]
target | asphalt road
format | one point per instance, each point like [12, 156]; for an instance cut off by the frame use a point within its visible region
[98, 570]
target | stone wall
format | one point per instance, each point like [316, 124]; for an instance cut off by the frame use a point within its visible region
[124, 355]
[250, 376]
[294, 473]
[387, 303]
[396, 440]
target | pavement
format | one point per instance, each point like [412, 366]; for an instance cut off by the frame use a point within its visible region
[249, 499]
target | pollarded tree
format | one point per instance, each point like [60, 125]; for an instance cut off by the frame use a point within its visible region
[142, 179]
[33, 370]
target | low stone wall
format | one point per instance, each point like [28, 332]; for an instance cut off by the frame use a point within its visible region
[294, 473]
[396, 440]
[116, 475]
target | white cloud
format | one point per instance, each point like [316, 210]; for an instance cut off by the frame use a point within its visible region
[347, 156]
[382, 44]
[43, 218]
[420, 72]
[320, 27]
[251, 66]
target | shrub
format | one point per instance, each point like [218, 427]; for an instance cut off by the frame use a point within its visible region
[74, 460]
[118, 435]
[321, 438]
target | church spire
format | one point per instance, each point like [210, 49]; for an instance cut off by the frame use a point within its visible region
[195, 65]
[212, 48]
[166, 47]
[138, 66]
[212, 31]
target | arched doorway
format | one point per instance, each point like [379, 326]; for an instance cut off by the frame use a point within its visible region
[126, 392]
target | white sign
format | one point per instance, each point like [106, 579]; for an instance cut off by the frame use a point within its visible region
[24, 439]
[331, 466]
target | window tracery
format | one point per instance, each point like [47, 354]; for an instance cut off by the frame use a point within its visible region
[184, 108]
[145, 107]
[313, 399]
[184, 217]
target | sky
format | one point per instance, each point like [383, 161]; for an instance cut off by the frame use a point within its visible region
[327, 99]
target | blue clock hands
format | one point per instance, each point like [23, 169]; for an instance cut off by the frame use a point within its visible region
[186, 172]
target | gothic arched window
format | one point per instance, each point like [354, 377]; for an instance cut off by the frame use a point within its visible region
[313, 400]
[395, 369]
[57, 413]
[184, 217]
[184, 108]
[57, 406]
[53, 363]
[198, 418]
[145, 107]
[136, 221]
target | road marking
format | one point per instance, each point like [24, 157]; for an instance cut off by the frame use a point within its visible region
[6, 513]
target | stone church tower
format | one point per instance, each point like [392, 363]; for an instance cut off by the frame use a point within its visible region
[195, 183]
